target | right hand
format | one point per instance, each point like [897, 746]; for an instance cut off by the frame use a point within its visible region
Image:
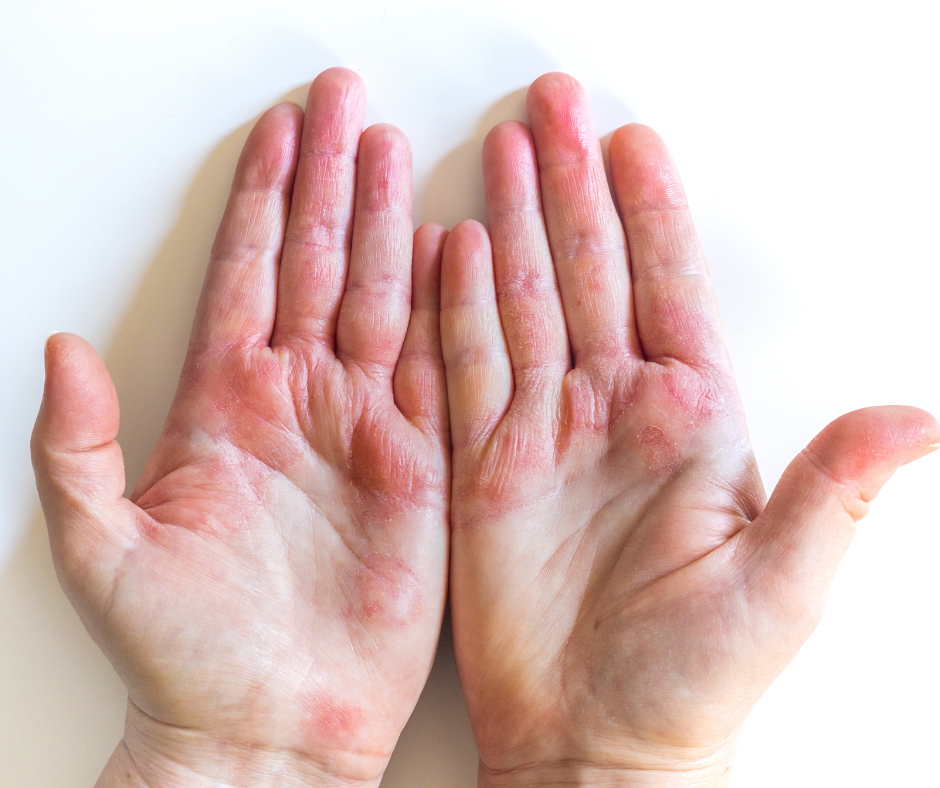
[621, 595]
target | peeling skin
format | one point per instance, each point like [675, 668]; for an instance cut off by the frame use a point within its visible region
[387, 591]
[585, 409]
[660, 453]
[693, 392]
[517, 451]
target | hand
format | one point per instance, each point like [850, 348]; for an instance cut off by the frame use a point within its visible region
[272, 592]
[621, 596]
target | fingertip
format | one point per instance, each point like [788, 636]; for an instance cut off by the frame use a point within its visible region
[339, 78]
[865, 447]
[466, 253]
[79, 409]
[632, 135]
[551, 92]
[269, 155]
[430, 235]
[426, 266]
[54, 340]
[468, 236]
[466, 265]
[561, 120]
[507, 134]
[644, 173]
[386, 139]
[284, 111]
[336, 105]
[384, 169]
[510, 168]
[337, 88]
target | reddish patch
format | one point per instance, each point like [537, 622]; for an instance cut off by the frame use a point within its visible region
[692, 392]
[585, 408]
[244, 396]
[259, 407]
[661, 453]
[625, 395]
[387, 592]
[329, 721]
[522, 450]
[391, 468]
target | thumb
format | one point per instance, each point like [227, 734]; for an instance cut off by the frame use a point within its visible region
[80, 470]
[805, 529]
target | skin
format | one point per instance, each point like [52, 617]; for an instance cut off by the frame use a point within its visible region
[621, 594]
[272, 591]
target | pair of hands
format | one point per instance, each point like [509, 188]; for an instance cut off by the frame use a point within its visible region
[547, 408]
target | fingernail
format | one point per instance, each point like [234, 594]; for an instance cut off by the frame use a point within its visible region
[929, 450]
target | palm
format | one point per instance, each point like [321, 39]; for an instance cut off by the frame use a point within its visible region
[296, 525]
[276, 582]
[602, 557]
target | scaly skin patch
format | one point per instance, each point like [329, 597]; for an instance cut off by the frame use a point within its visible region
[585, 408]
[519, 449]
[390, 471]
[661, 454]
[692, 392]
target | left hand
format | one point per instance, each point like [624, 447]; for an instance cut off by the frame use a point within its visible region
[272, 592]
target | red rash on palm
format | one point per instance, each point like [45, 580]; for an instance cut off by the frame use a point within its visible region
[695, 393]
[331, 722]
[660, 452]
[392, 477]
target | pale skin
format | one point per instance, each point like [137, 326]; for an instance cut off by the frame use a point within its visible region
[272, 590]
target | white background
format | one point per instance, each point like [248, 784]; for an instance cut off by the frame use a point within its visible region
[807, 135]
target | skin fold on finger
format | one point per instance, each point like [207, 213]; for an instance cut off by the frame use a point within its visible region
[420, 384]
[240, 290]
[319, 231]
[476, 358]
[585, 234]
[527, 293]
[676, 311]
[376, 304]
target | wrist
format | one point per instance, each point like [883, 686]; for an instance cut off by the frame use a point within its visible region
[154, 755]
[571, 775]
[705, 769]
